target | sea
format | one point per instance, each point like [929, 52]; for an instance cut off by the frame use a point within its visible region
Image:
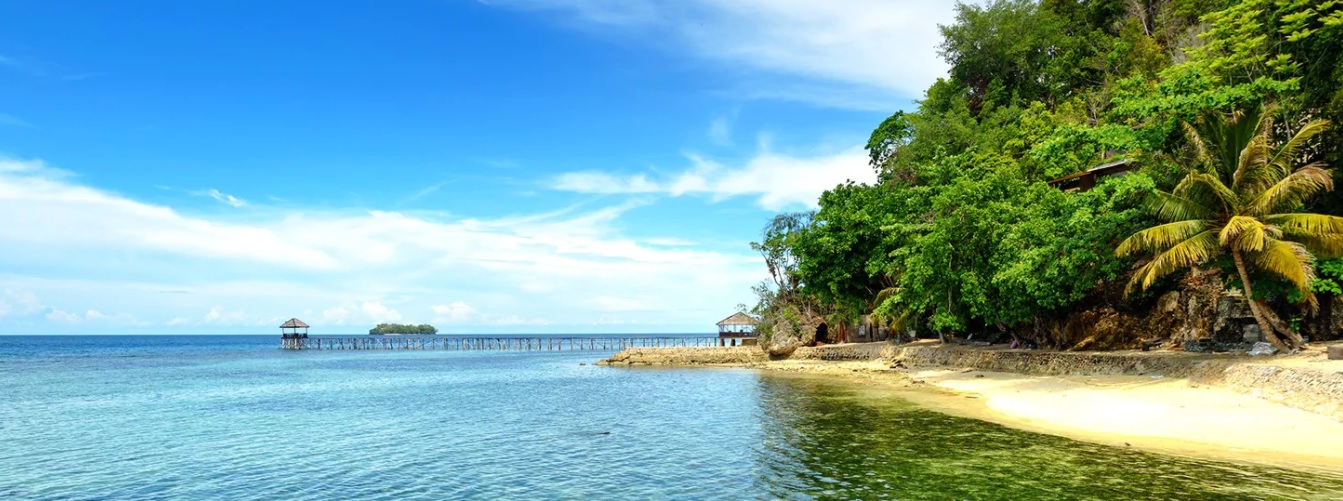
[236, 418]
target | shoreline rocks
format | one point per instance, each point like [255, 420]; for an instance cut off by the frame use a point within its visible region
[1297, 381]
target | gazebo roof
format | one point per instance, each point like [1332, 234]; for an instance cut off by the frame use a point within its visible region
[738, 318]
[294, 323]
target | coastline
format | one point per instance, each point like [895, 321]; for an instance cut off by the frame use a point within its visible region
[1283, 411]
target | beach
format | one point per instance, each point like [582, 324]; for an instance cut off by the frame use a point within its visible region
[1282, 411]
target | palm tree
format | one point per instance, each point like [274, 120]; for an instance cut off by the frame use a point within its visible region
[1240, 197]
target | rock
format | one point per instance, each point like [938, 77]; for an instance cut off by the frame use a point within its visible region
[1336, 352]
[791, 330]
[1169, 302]
[1261, 348]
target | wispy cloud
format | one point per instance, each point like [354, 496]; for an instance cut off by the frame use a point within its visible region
[777, 181]
[458, 311]
[79, 245]
[7, 119]
[720, 131]
[424, 192]
[854, 52]
[225, 198]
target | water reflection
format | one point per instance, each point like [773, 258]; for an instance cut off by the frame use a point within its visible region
[821, 440]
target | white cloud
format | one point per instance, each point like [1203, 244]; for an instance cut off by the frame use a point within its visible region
[93, 316]
[44, 208]
[458, 311]
[882, 49]
[220, 315]
[214, 273]
[18, 303]
[63, 317]
[379, 313]
[596, 182]
[225, 198]
[337, 315]
[720, 131]
[777, 181]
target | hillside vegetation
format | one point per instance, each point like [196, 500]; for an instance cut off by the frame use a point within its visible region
[1224, 109]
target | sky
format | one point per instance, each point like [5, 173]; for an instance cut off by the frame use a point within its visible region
[487, 166]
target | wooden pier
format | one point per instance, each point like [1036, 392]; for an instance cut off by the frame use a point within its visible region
[498, 343]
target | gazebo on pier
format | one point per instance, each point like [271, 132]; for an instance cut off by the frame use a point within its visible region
[290, 329]
[739, 326]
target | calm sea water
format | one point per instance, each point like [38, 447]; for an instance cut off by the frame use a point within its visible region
[232, 417]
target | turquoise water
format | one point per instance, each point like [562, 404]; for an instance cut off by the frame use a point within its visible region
[219, 417]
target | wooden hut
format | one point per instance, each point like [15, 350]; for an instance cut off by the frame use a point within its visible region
[1085, 180]
[290, 329]
[738, 326]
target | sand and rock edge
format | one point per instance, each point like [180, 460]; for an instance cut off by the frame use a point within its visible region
[1283, 411]
[1306, 381]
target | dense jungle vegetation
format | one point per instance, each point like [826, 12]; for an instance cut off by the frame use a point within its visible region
[1222, 107]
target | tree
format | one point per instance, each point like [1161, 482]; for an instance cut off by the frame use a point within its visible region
[1241, 197]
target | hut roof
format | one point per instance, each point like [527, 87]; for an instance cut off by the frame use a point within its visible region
[738, 318]
[294, 323]
[1109, 169]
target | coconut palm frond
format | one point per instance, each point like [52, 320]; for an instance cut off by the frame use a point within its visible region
[1161, 238]
[1306, 224]
[1322, 246]
[1281, 162]
[885, 294]
[1243, 233]
[1251, 166]
[1172, 207]
[1291, 191]
[1193, 251]
[1289, 260]
[1213, 184]
[1200, 147]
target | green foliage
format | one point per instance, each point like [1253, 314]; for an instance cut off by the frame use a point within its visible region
[1329, 277]
[963, 234]
[403, 329]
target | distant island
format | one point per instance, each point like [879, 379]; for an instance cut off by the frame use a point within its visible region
[403, 329]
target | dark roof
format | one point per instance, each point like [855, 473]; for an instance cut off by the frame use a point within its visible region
[738, 318]
[1109, 169]
[294, 323]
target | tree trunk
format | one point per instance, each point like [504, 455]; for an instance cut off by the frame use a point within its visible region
[1282, 327]
[1264, 327]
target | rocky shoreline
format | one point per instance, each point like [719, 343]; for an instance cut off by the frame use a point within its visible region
[1277, 410]
[1306, 381]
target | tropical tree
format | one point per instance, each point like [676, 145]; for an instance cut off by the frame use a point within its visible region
[1240, 197]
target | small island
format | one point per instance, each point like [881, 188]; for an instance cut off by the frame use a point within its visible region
[403, 329]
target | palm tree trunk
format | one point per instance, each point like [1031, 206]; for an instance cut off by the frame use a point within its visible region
[1264, 327]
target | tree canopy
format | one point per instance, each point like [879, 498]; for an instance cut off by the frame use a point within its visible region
[403, 329]
[963, 234]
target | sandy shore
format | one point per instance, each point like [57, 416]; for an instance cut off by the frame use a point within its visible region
[1155, 412]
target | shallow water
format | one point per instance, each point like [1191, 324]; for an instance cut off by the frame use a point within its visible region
[234, 418]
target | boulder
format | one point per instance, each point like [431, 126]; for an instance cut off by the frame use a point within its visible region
[1336, 352]
[789, 331]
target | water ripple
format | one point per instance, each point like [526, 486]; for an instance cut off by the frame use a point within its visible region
[258, 424]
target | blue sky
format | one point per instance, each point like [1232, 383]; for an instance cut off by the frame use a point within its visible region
[486, 166]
